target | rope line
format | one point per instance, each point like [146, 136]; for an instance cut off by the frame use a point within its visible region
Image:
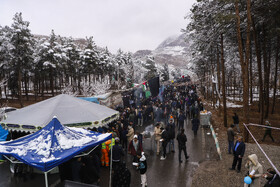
[264, 126]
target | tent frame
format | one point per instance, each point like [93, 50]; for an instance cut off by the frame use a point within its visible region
[84, 154]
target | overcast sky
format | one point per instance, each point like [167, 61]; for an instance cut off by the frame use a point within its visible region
[127, 24]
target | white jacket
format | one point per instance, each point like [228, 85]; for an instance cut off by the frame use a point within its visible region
[257, 167]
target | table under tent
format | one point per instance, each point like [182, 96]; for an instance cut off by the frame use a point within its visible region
[52, 145]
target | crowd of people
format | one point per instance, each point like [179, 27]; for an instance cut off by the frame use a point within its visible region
[167, 114]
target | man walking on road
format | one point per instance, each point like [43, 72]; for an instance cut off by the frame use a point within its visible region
[157, 136]
[195, 125]
[164, 140]
[238, 151]
[181, 120]
[182, 139]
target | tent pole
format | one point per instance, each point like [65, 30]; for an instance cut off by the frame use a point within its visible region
[111, 156]
[46, 178]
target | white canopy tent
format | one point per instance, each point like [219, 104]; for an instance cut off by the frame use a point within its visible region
[70, 110]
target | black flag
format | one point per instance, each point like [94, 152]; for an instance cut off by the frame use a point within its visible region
[154, 86]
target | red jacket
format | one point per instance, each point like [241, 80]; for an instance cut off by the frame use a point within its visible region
[133, 151]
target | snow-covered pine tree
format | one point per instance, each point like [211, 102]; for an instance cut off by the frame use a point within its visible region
[91, 60]
[129, 70]
[165, 72]
[151, 67]
[22, 50]
[5, 55]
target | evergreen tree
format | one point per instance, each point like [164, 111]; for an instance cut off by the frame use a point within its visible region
[22, 42]
[151, 67]
[165, 72]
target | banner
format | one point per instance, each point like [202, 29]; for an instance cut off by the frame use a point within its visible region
[154, 86]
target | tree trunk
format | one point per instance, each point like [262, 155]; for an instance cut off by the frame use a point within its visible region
[276, 74]
[223, 81]
[35, 87]
[42, 86]
[268, 80]
[218, 77]
[258, 53]
[251, 77]
[244, 64]
[19, 87]
[265, 65]
[51, 80]
[79, 83]
[26, 86]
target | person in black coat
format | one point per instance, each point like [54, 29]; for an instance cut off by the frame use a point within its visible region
[171, 132]
[89, 170]
[236, 121]
[182, 139]
[121, 176]
[181, 120]
[117, 153]
[142, 166]
[164, 140]
[272, 177]
[195, 125]
[238, 151]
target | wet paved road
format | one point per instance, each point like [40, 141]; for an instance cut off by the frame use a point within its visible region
[170, 172]
[160, 173]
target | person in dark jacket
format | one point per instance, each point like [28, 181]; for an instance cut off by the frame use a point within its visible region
[267, 131]
[236, 121]
[171, 132]
[230, 134]
[121, 177]
[238, 152]
[272, 177]
[181, 120]
[182, 139]
[76, 169]
[195, 125]
[164, 140]
[89, 171]
[142, 166]
[117, 153]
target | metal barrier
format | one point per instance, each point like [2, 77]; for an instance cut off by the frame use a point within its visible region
[216, 141]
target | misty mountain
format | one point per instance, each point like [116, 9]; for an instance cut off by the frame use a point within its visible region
[173, 51]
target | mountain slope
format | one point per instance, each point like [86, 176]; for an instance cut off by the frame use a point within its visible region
[173, 51]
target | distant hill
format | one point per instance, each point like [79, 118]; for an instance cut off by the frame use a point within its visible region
[173, 51]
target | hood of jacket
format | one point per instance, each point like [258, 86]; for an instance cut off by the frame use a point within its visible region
[254, 159]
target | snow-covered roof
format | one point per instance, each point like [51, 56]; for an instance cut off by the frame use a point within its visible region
[70, 110]
[52, 145]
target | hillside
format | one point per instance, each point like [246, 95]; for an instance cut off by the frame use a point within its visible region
[173, 50]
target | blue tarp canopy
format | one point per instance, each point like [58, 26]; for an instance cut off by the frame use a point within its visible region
[91, 99]
[3, 134]
[52, 145]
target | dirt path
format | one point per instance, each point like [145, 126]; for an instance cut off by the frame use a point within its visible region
[217, 173]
